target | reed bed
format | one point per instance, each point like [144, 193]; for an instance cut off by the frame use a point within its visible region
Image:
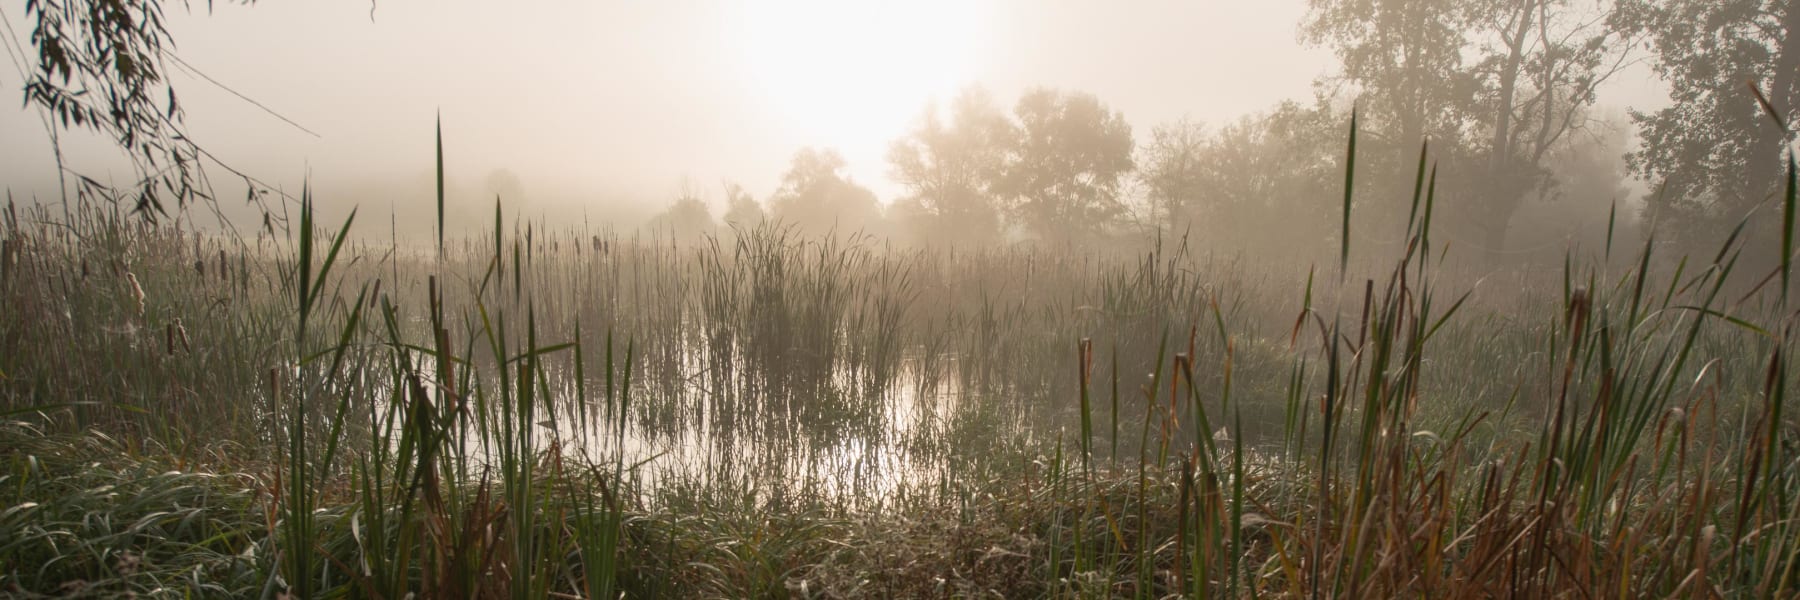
[534, 412]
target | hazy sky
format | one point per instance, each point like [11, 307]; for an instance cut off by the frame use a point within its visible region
[619, 101]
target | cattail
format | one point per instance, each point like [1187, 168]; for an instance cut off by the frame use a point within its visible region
[181, 335]
[137, 291]
[275, 384]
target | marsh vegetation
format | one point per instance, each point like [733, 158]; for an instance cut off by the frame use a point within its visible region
[536, 412]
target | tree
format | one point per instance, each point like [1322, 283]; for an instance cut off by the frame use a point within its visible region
[1243, 185]
[1713, 152]
[952, 170]
[1590, 183]
[742, 212]
[100, 66]
[1535, 87]
[1071, 157]
[506, 184]
[688, 218]
[1401, 64]
[1402, 59]
[1171, 172]
[1496, 85]
[816, 196]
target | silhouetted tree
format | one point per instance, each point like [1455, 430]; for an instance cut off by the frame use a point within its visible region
[1496, 85]
[1257, 184]
[742, 211]
[1171, 170]
[1590, 176]
[952, 170]
[1072, 155]
[1713, 151]
[1401, 59]
[1541, 63]
[688, 218]
[816, 196]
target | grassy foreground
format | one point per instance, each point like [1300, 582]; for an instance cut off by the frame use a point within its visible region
[568, 414]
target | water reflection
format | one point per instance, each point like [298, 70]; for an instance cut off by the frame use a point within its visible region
[849, 438]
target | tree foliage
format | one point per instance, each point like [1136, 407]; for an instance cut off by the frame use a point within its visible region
[1053, 169]
[1497, 86]
[952, 169]
[1713, 151]
[1401, 60]
[1259, 174]
[1173, 169]
[816, 196]
[101, 65]
[687, 218]
[742, 211]
[1072, 155]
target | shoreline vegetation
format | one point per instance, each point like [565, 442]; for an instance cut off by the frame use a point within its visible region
[538, 414]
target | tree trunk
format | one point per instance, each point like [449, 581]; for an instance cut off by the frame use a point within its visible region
[1783, 95]
[1766, 173]
[1499, 204]
[1509, 79]
[1493, 237]
[1499, 199]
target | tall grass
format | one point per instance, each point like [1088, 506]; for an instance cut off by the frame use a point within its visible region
[533, 412]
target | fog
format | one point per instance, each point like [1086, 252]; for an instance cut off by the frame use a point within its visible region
[609, 112]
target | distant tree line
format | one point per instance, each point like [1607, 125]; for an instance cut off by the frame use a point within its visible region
[1497, 96]
[1503, 92]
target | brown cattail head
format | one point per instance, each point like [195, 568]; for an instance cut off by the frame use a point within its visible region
[137, 291]
[275, 384]
[181, 337]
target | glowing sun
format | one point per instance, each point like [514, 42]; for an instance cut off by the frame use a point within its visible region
[852, 74]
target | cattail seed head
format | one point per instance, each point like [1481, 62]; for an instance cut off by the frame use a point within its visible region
[137, 291]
